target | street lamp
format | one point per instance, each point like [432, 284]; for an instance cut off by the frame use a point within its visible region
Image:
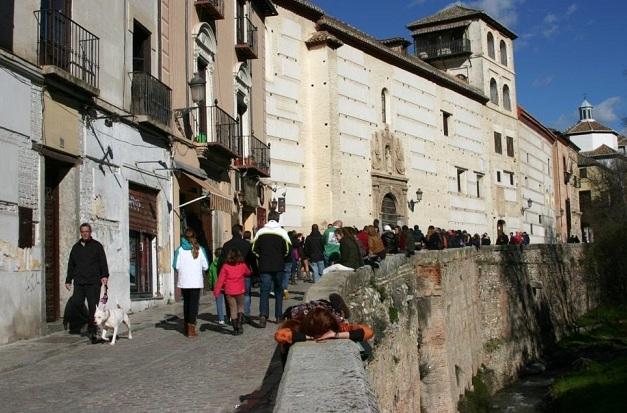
[197, 86]
[529, 204]
[411, 204]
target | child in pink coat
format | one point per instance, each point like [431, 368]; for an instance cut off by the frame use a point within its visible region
[231, 277]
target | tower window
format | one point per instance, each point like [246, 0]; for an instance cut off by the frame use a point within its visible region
[494, 92]
[503, 53]
[498, 145]
[510, 146]
[507, 102]
[491, 45]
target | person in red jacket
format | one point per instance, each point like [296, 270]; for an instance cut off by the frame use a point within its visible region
[231, 277]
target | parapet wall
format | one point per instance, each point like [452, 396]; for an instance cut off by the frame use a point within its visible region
[440, 316]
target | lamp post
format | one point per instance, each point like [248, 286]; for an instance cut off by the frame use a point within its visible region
[411, 204]
[529, 204]
[197, 86]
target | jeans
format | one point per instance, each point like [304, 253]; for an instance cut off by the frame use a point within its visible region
[267, 279]
[220, 307]
[247, 298]
[318, 267]
[287, 273]
[191, 297]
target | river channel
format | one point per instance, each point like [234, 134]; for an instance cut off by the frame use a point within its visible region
[524, 396]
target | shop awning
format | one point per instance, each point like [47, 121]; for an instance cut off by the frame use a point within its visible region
[217, 200]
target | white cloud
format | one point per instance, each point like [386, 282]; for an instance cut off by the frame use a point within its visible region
[550, 18]
[606, 111]
[502, 10]
[543, 81]
[571, 9]
[550, 31]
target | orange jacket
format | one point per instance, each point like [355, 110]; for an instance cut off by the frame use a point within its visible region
[285, 335]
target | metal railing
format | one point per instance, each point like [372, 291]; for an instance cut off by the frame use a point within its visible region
[443, 48]
[214, 8]
[246, 34]
[211, 125]
[151, 98]
[66, 44]
[256, 155]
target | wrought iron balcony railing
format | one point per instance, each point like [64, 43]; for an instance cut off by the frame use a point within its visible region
[443, 49]
[256, 156]
[246, 47]
[67, 45]
[210, 9]
[210, 126]
[151, 98]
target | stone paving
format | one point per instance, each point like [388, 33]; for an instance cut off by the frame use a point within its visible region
[159, 370]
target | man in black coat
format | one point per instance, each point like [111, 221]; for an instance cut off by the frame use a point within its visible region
[272, 246]
[243, 246]
[87, 268]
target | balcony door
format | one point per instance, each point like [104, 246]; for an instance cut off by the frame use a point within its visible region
[55, 33]
[141, 48]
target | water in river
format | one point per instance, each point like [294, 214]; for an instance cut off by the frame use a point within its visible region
[524, 396]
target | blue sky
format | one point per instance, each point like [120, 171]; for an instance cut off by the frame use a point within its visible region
[565, 49]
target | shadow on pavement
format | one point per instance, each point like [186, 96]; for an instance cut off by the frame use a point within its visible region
[262, 400]
[171, 322]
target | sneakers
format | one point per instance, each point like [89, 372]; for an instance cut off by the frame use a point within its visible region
[262, 321]
[221, 322]
[286, 294]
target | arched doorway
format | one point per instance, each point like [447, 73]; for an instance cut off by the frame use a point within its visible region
[388, 210]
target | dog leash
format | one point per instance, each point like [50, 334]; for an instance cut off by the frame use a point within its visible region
[105, 297]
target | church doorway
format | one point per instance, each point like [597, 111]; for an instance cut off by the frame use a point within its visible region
[389, 215]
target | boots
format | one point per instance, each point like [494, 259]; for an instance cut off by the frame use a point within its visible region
[240, 321]
[186, 329]
[235, 324]
[192, 330]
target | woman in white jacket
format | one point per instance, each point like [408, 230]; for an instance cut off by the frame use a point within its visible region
[190, 261]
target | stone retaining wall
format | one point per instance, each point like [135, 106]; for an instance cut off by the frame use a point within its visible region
[440, 316]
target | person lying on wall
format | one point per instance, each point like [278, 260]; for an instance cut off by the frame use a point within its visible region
[319, 321]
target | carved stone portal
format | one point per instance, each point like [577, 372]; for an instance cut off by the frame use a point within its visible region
[388, 177]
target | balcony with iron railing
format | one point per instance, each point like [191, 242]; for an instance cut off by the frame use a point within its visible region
[68, 51]
[213, 132]
[210, 9]
[151, 101]
[256, 157]
[246, 47]
[443, 49]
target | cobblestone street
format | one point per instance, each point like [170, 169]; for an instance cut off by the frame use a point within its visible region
[159, 370]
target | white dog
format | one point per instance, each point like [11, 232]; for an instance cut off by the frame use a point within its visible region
[112, 319]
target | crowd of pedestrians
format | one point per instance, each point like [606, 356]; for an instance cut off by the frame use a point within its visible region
[275, 258]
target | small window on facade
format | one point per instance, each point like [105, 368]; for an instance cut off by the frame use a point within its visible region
[6, 25]
[445, 125]
[385, 101]
[479, 181]
[141, 48]
[511, 177]
[498, 176]
[539, 219]
[494, 92]
[498, 145]
[531, 229]
[583, 172]
[548, 166]
[503, 52]
[507, 102]
[510, 146]
[491, 45]
[461, 179]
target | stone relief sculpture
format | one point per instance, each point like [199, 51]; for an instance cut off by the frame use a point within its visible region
[387, 153]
